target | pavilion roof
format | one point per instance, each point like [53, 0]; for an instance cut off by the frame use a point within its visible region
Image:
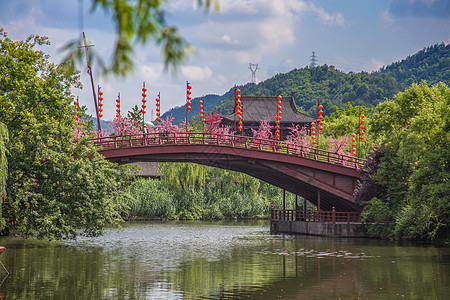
[259, 108]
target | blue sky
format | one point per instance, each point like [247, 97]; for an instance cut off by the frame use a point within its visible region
[278, 35]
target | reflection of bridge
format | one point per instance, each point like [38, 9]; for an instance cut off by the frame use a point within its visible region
[324, 178]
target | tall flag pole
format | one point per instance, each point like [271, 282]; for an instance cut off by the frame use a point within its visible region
[278, 116]
[313, 133]
[144, 106]
[158, 109]
[88, 62]
[100, 106]
[118, 106]
[239, 108]
[77, 105]
[353, 144]
[320, 107]
[188, 101]
[202, 116]
[361, 132]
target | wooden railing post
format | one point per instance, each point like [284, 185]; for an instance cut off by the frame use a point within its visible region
[333, 216]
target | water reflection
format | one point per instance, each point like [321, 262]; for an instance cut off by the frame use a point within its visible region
[221, 261]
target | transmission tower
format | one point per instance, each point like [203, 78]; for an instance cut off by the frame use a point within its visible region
[313, 59]
[253, 68]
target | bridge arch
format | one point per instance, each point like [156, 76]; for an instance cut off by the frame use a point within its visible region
[317, 175]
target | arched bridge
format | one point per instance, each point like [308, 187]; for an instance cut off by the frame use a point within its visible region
[322, 177]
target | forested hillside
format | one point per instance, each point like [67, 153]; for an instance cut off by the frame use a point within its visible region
[336, 88]
[325, 84]
[431, 64]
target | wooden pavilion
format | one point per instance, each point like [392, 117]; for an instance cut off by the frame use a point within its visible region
[259, 108]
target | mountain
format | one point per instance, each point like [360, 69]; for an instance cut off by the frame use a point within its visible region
[104, 124]
[335, 88]
[431, 64]
[325, 84]
[210, 102]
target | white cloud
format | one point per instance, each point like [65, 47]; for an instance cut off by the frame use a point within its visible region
[373, 64]
[326, 18]
[386, 18]
[150, 72]
[196, 73]
[227, 39]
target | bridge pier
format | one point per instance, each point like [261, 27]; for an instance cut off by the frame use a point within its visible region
[339, 230]
[321, 223]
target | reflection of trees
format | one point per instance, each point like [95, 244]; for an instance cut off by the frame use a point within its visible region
[307, 268]
[286, 266]
[46, 270]
[262, 267]
[409, 270]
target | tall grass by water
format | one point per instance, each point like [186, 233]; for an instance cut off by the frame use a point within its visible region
[218, 194]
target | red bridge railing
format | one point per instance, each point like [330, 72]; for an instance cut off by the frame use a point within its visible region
[315, 216]
[202, 138]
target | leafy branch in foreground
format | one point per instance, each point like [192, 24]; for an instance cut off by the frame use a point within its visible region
[136, 23]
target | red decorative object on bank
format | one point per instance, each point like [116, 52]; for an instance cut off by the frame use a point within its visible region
[2, 249]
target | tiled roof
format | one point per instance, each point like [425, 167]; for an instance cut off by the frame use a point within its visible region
[148, 169]
[258, 108]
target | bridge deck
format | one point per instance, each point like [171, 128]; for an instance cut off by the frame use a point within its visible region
[324, 178]
[201, 138]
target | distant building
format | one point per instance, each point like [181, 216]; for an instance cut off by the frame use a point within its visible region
[148, 169]
[259, 108]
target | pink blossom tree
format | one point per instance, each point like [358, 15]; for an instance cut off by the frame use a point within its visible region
[213, 121]
[264, 131]
[339, 145]
[215, 129]
[126, 125]
[185, 127]
[299, 138]
[79, 129]
[167, 126]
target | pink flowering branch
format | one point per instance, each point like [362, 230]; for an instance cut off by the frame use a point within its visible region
[79, 129]
[299, 138]
[166, 126]
[125, 125]
[264, 131]
[339, 145]
[213, 121]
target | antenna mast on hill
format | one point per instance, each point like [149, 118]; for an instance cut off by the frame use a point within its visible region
[255, 66]
[313, 60]
[88, 61]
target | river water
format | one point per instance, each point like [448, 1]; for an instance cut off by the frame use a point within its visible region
[220, 260]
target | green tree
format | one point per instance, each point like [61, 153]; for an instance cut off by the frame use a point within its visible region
[412, 170]
[3, 168]
[344, 122]
[54, 186]
[326, 84]
[135, 114]
[136, 23]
